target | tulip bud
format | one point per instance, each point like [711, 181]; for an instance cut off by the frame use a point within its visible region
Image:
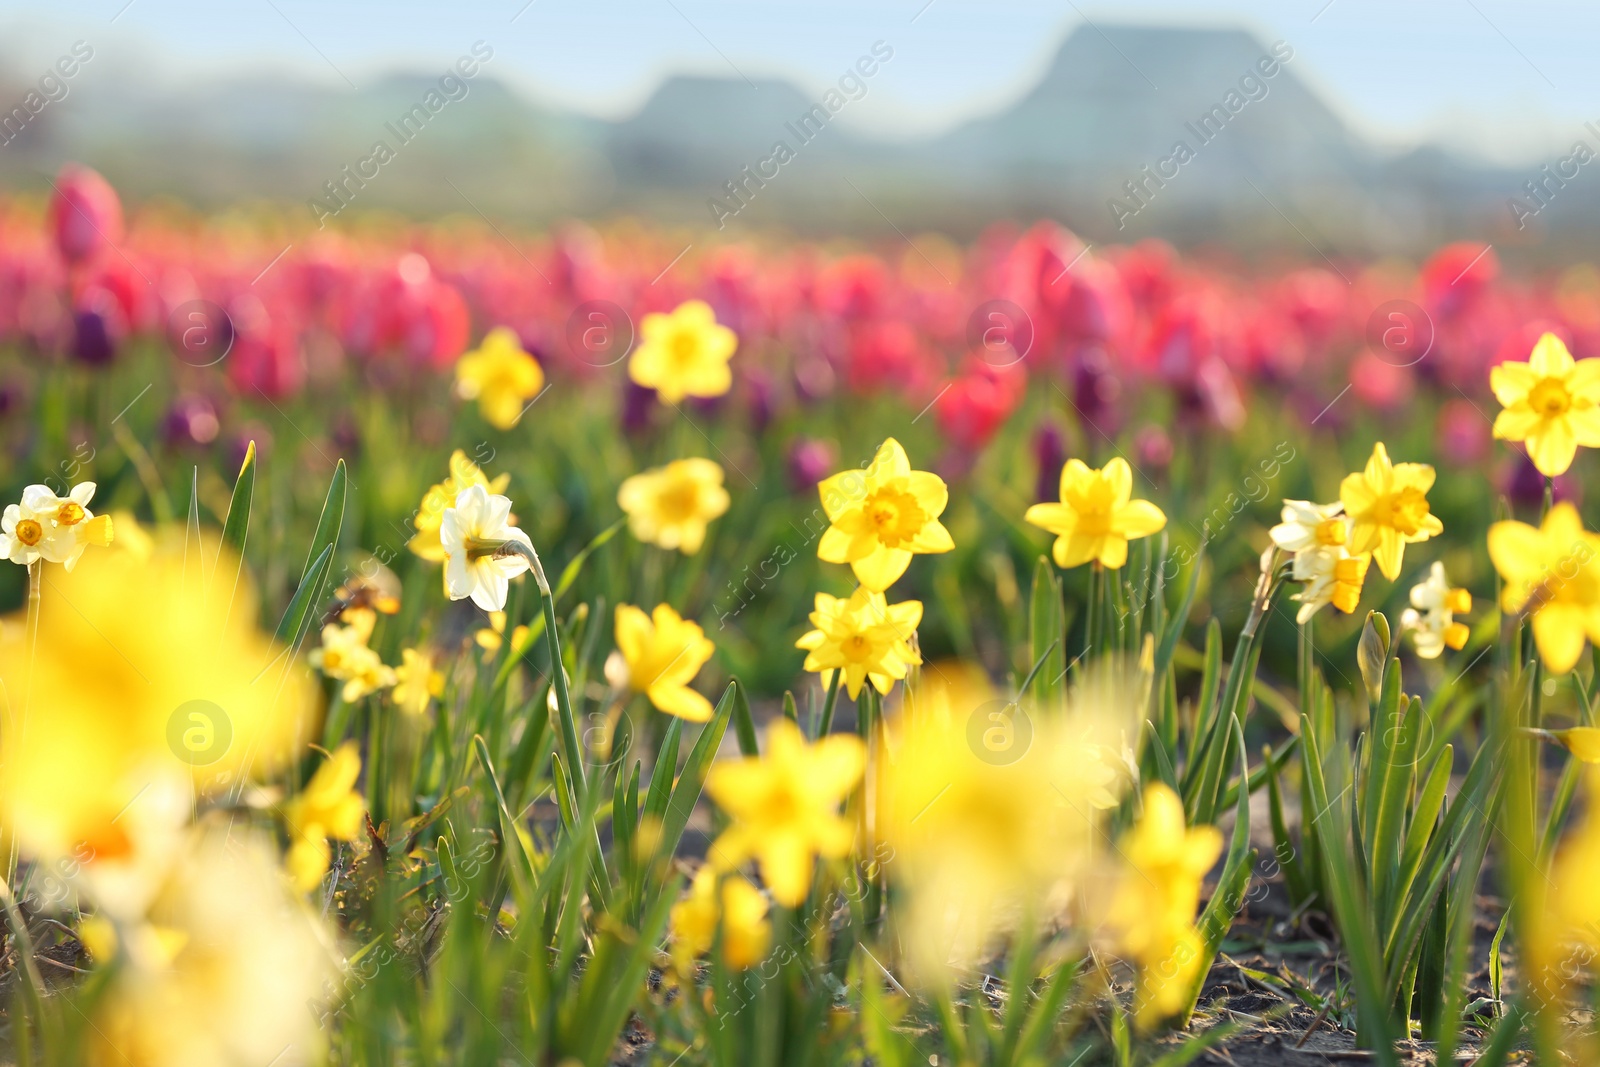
[85, 214]
[810, 461]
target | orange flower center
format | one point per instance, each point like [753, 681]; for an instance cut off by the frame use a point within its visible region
[1405, 510]
[70, 513]
[895, 516]
[1330, 532]
[1550, 397]
[29, 532]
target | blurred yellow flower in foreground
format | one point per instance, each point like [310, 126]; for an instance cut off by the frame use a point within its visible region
[988, 812]
[684, 353]
[882, 516]
[785, 806]
[739, 908]
[1388, 508]
[226, 968]
[1554, 573]
[1154, 904]
[1097, 516]
[328, 806]
[1564, 919]
[145, 670]
[864, 636]
[430, 513]
[671, 506]
[501, 377]
[663, 652]
[416, 681]
[1550, 404]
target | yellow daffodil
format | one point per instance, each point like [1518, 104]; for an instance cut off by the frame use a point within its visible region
[227, 967]
[1431, 616]
[785, 806]
[439, 498]
[471, 532]
[671, 506]
[346, 656]
[1550, 404]
[739, 909]
[328, 806]
[990, 810]
[1582, 741]
[143, 669]
[492, 638]
[1564, 915]
[864, 636]
[416, 682]
[1388, 508]
[131, 536]
[53, 528]
[1153, 909]
[663, 652]
[882, 516]
[683, 354]
[1096, 517]
[1554, 573]
[501, 377]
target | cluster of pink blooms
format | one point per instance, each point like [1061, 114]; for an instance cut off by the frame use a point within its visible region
[915, 320]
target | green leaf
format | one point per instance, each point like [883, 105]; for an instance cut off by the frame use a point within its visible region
[299, 614]
[236, 528]
[1047, 631]
[331, 520]
[743, 724]
[1228, 900]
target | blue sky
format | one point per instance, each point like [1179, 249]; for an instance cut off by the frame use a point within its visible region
[1506, 79]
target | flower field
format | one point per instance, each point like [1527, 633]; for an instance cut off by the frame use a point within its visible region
[435, 643]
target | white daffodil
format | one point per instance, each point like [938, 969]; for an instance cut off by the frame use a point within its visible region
[1431, 616]
[22, 535]
[472, 532]
[69, 525]
[1331, 576]
[1306, 526]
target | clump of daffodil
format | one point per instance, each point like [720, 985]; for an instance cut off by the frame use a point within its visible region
[345, 656]
[1097, 516]
[1553, 573]
[143, 668]
[1317, 535]
[473, 533]
[882, 516]
[671, 506]
[439, 498]
[990, 811]
[1431, 618]
[416, 681]
[661, 653]
[729, 902]
[328, 807]
[225, 966]
[864, 636]
[684, 353]
[785, 806]
[501, 377]
[52, 528]
[1153, 907]
[1550, 404]
[1388, 508]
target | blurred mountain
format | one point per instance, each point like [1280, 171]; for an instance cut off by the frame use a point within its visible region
[1263, 158]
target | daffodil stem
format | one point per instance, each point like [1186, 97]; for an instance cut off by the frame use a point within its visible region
[32, 983]
[829, 704]
[558, 674]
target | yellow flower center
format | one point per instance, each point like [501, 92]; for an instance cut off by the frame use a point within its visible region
[895, 516]
[70, 513]
[679, 501]
[685, 346]
[1405, 510]
[855, 648]
[1550, 397]
[29, 532]
[1330, 532]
